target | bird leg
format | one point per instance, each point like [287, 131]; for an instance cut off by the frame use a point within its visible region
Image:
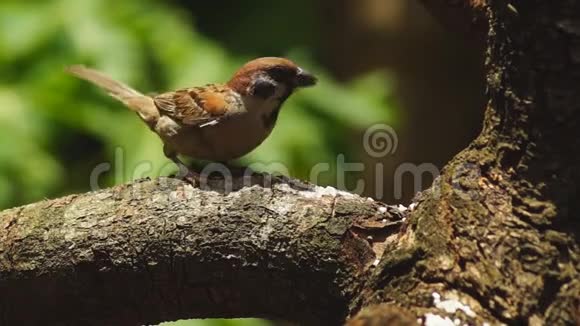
[185, 173]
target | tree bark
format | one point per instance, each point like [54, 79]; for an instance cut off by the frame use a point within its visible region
[162, 250]
[494, 241]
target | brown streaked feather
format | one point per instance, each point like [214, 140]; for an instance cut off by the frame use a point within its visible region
[197, 105]
[211, 98]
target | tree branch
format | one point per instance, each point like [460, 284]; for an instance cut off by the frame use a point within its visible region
[162, 250]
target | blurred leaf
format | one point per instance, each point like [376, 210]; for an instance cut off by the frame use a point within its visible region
[358, 107]
[22, 141]
[23, 28]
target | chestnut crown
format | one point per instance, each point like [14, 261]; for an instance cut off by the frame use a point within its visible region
[270, 77]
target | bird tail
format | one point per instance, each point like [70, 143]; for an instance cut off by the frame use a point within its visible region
[133, 99]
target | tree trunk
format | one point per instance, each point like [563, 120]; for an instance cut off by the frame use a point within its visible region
[496, 237]
[493, 241]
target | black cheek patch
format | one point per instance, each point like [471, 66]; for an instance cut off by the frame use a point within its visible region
[263, 88]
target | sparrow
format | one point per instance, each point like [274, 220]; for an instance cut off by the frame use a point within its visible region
[215, 122]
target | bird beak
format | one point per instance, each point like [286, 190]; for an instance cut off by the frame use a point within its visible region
[305, 79]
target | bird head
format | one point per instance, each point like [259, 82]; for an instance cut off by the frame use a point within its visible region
[270, 80]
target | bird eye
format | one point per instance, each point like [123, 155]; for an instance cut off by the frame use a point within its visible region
[263, 88]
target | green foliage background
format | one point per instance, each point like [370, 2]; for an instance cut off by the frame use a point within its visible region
[55, 129]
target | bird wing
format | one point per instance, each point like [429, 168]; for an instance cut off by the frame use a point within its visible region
[199, 106]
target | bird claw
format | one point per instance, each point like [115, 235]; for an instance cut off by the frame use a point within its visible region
[189, 176]
[192, 178]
